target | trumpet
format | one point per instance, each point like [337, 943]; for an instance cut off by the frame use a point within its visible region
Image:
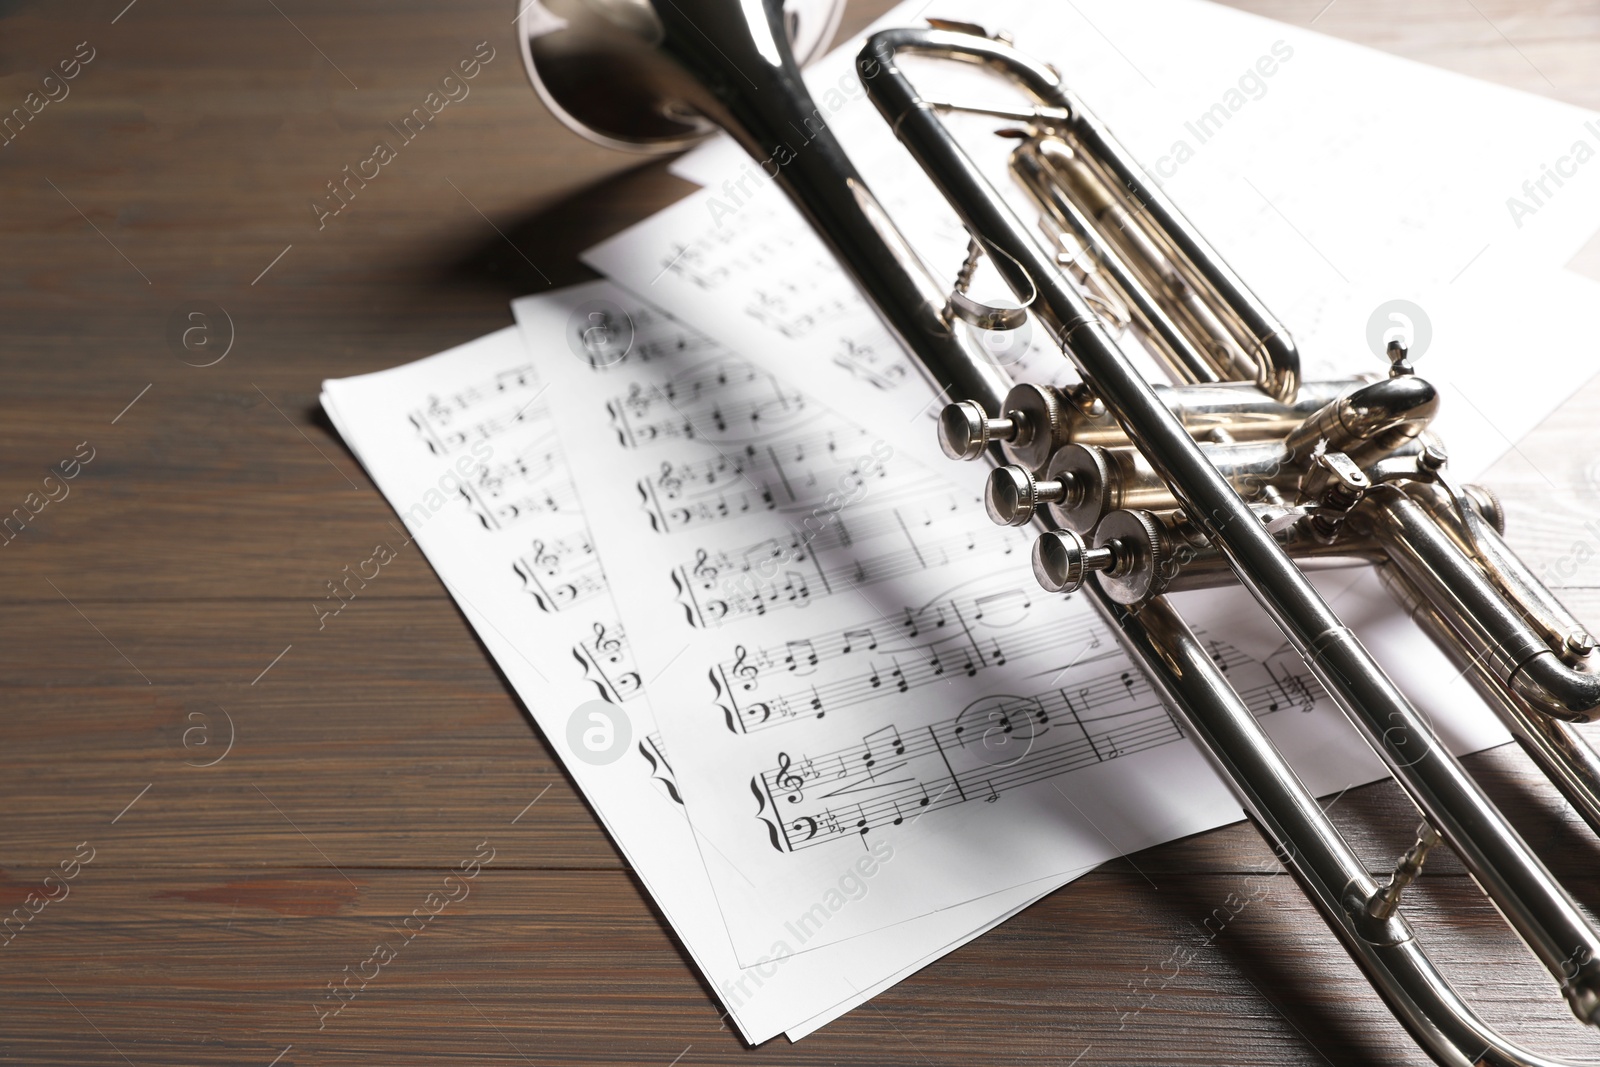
[1235, 472]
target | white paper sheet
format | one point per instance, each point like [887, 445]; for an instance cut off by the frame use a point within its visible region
[506, 537]
[848, 660]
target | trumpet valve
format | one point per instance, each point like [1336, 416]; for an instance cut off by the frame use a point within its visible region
[1032, 424]
[1014, 494]
[1062, 560]
[1044, 426]
[965, 429]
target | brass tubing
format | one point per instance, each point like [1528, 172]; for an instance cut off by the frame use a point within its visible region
[1475, 608]
[1371, 423]
[1478, 537]
[1570, 763]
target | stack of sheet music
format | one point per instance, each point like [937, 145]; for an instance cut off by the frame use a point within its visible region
[698, 516]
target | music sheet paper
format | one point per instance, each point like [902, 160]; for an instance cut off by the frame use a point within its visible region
[851, 665]
[462, 446]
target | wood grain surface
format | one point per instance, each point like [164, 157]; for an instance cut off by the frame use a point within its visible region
[161, 608]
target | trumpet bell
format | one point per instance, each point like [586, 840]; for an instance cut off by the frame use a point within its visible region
[607, 71]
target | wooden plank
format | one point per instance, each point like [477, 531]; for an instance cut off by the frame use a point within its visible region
[224, 966]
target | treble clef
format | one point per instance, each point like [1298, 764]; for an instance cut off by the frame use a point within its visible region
[703, 569]
[746, 672]
[788, 780]
[669, 481]
[604, 642]
[547, 560]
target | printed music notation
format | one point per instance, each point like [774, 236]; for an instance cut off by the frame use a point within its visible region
[722, 400]
[879, 365]
[997, 743]
[560, 572]
[608, 663]
[785, 474]
[808, 296]
[498, 491]
[527, 502]
[654, 751]
[764, 262]
[451, 422]
[607, 335]
[850, 551]
[538, 461]
[812, 677]
[706, 427]
[796, 305]
[532, 484]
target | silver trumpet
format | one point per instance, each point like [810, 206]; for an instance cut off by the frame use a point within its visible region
[1236, 472]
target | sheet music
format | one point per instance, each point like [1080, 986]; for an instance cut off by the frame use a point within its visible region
[869, 668]
[462, 445]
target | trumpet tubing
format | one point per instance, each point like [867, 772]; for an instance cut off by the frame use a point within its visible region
[1235, 472]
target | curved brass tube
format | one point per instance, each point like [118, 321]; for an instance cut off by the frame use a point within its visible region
[1369, 423]
[1475, 609]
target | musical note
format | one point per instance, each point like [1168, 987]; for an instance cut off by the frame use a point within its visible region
[1002, 609]
[864, 638]
[801, 657]
[561, 574]
[999, 743]
[874, 745]
[759, 502]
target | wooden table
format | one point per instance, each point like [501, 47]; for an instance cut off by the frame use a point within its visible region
[160, 610]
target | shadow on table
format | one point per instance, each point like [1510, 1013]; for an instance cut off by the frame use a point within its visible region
[539, 252]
